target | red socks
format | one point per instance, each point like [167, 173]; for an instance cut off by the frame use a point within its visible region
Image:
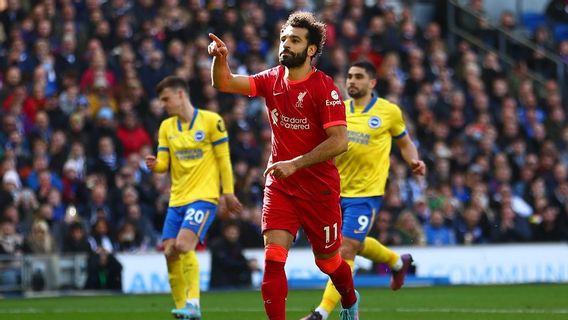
[275, 290]
[342, 279]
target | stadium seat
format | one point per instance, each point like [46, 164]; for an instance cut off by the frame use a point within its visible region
[560, 32]
[533, 20]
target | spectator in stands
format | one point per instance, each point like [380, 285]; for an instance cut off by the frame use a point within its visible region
[547, 226]
[436, 233]
[11, 186]
[384, 231]
[148, 237]
[469, 230]
[409, 229]
[100, 239]
[76, 240]
[11, 245]
[475, 19]
[129, 238]
[40, 240]
[230, 269]
[104, 271]
[132, 135]
[510, 227]
[108, 159]
[556, 10]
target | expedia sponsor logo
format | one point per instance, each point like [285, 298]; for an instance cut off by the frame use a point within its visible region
[333, 103]
[334, 99]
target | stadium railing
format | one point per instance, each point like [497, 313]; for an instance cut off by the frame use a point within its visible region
[36, 273]
[505, 46]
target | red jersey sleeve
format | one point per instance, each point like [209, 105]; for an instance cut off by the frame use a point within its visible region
[332, 108]
[261, 82]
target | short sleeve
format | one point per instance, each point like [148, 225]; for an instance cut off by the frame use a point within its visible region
[218, 131]
[398, 128]
[163, 144]
[332, 108]
[260, 82]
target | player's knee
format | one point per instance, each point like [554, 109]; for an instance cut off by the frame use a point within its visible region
[276, 253]
[170, 252]
[182, 247]
[349, 249]
[329, 265]
[347, 253]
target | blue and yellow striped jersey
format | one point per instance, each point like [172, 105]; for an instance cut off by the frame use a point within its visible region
[193, 166]
[364, 168]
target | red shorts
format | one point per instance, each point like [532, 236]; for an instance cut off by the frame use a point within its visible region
[320, 219]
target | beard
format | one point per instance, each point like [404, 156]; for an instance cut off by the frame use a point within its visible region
[356, 93]
[293, 60]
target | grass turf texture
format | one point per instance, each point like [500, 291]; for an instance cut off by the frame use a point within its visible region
[461, 303]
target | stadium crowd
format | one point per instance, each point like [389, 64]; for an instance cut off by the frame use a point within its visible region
[79, 113]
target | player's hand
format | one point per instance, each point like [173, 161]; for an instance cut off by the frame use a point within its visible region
[151, 162]
[418, 167]
[232, 203]
[217, 47]
[281, 169]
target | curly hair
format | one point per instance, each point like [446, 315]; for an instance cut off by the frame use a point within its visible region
[316, 28]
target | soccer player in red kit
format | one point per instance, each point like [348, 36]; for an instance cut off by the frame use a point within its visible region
[307, 116]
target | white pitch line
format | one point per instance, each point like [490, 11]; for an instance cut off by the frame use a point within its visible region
[293, 309]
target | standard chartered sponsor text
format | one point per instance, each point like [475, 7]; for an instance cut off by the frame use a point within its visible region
[294, 123]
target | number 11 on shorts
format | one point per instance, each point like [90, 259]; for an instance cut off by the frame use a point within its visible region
[327, 230]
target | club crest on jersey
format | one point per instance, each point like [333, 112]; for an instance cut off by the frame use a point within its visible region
[300, 101]
[199, 135]
[375, 122]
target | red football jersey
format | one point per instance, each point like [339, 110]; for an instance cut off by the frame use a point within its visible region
[299, 113]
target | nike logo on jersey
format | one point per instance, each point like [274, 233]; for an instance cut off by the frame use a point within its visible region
[327, 246]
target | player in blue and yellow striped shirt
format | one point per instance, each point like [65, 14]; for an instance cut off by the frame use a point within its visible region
[372, 124]
[193, 145]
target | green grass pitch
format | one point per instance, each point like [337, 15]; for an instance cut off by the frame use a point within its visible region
[517, 302]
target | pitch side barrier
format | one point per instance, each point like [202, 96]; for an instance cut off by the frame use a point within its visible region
[457, 265]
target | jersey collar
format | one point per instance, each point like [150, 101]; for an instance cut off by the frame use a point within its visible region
[367, 108]
[195, 113]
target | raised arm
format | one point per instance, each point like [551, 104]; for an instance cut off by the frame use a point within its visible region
[221, 75]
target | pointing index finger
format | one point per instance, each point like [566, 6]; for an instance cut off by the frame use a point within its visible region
[216, 39]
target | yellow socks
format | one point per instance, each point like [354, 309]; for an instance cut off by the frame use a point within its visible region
[376, 252]
[177, 283]
[330, 295]
[190, 271]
